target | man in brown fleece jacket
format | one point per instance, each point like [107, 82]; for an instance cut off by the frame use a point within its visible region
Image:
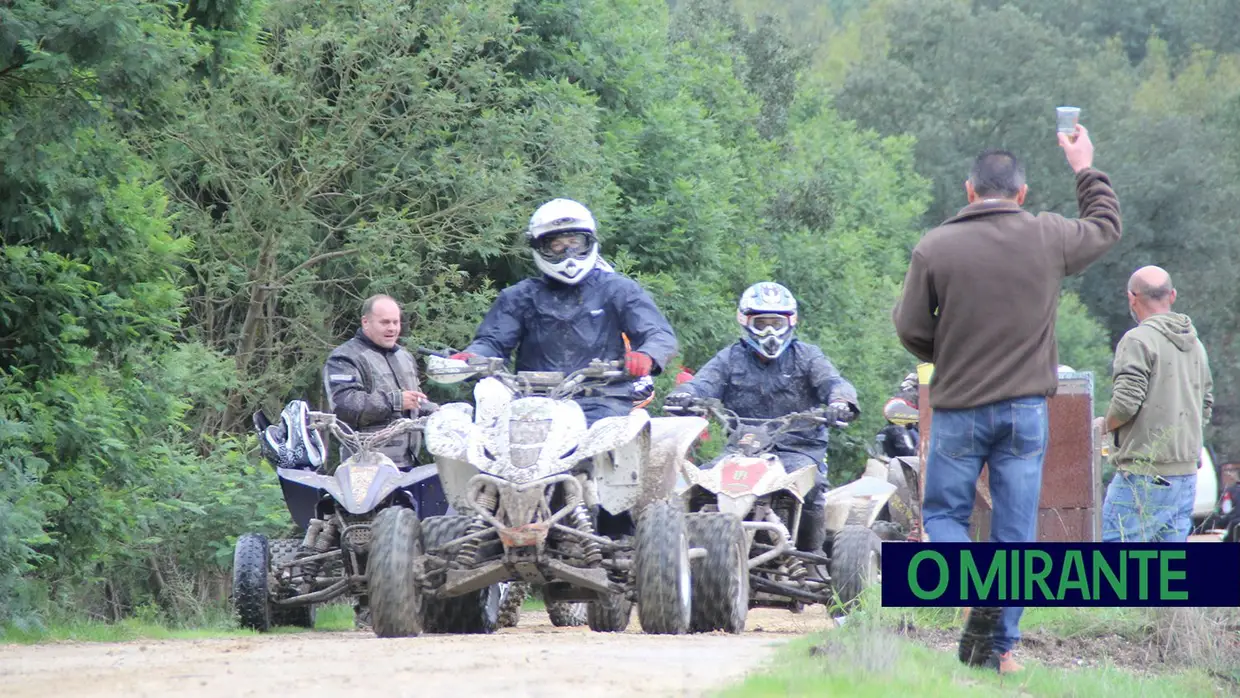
[979, 302]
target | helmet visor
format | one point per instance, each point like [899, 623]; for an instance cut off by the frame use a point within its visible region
[768, 324]
[561, 246]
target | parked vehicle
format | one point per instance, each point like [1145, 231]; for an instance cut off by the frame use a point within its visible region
[280, 582]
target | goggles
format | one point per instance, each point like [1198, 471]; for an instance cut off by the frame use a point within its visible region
[559, 247]
[768, 325]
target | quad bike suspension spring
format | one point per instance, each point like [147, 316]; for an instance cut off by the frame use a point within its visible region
[488, 501]
[581, 521]
[796, 570]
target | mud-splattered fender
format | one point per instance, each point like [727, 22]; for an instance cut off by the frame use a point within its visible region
[448, 432]
[620, 447]
[866, 491]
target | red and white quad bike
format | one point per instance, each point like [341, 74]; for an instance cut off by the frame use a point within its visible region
[746, 512]
[546, 501]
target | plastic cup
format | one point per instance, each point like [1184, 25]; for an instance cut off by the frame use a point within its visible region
[1066, 118]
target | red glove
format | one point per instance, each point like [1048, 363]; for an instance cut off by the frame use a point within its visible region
[638, 364]
[463, 356]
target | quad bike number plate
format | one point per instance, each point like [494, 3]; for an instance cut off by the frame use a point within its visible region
[740, 476]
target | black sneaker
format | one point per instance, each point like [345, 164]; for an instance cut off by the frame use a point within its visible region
[978, 638]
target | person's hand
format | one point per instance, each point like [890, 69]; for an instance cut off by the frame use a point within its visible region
[410, 399]
[679, 399]
[638, 364]
[1079, 151]
[1100, 425]
[840, 412]
[463, 356]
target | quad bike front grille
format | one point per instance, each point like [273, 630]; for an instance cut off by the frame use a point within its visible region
[356, 537]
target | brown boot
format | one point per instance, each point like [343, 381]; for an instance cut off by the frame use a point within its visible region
[1006, 663]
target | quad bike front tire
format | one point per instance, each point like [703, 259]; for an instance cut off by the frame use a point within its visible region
[475, 612]
[721, 579]
[251, 563]
[664, 579]
[397, 607]
[567, 614]
[856, 557]
[609, 614]
[285, 550]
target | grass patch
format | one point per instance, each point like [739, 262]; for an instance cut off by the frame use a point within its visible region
[331, 618]
[868, 657]
[866, 664]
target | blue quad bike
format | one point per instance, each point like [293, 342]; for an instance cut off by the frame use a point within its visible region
[280, 582]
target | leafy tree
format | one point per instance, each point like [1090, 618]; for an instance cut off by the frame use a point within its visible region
[91, 390]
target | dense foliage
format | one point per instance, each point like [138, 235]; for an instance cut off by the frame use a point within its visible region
[196, 196]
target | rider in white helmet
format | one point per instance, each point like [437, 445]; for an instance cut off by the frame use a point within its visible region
[770, 373]
[578, 310]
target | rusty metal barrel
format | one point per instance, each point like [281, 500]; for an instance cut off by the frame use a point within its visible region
[1070, 507]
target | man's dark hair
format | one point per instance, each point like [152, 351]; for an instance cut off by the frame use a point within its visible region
[997, 173]
[369, 305]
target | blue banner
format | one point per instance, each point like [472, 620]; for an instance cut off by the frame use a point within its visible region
[1061, 574]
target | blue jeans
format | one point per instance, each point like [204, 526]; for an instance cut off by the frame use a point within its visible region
[1010, 437]
[1138, 509]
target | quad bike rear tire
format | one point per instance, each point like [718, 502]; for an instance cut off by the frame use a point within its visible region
[567, 614]
[397, 607]
[721, 579]
[251, 563]
[510, 604]
[664, 579]
[609, 614]
[285, 550]
[475, 612]
[856, 556]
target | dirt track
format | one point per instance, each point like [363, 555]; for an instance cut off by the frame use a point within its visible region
[534, 659]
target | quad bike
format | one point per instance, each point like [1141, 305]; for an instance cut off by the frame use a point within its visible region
[894, 459]
[584, 512]
[280, 582]
[746, 513]
[561, 613]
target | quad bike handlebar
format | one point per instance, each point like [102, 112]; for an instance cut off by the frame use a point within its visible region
[554, 384]
[775, 426]
[363, 442]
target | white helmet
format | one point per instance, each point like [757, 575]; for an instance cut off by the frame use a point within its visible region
[768, 314]
[562, 234]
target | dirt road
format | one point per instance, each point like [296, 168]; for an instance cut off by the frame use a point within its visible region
[534, 659]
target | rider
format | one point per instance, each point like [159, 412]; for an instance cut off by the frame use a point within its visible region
[900, 440]
[768, 374]
[578, 310]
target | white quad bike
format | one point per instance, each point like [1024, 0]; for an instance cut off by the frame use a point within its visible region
[746, 513]
[544, 494]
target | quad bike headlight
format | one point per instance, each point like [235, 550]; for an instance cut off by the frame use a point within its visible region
[360, 480]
